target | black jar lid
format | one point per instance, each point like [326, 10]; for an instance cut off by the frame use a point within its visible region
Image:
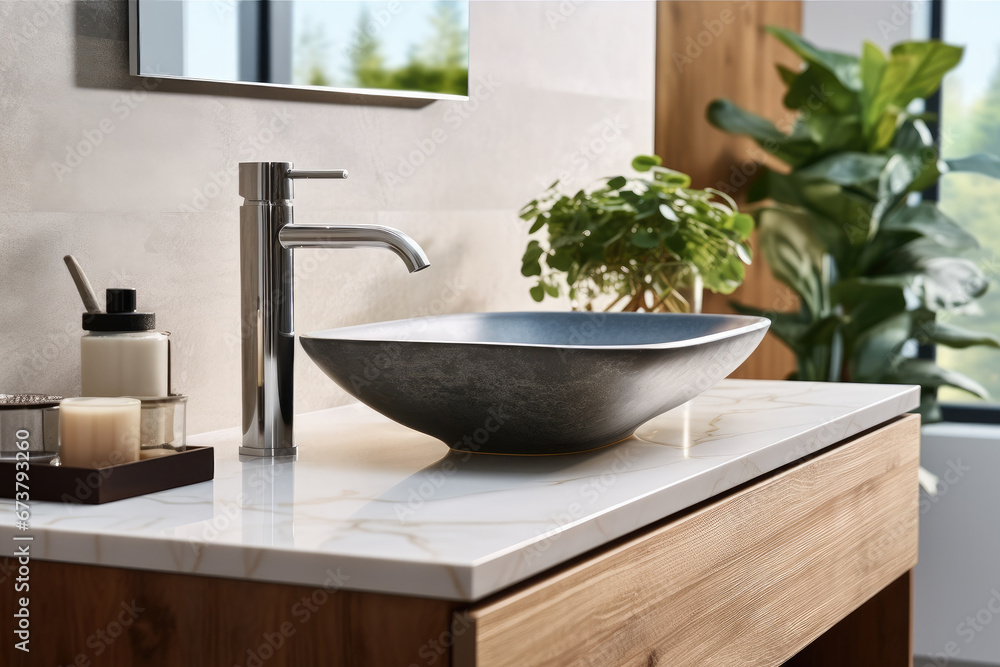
[121, 314]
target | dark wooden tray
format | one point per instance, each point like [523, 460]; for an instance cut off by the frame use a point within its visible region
[90, 486]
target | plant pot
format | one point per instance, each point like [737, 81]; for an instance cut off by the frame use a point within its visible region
[685, 291]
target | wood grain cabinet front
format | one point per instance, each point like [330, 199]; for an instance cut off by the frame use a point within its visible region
[748, 579]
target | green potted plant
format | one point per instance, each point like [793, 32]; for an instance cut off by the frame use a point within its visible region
[646, 242]
[875, 268]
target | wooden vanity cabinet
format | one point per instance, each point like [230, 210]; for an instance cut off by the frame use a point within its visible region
[808, 565]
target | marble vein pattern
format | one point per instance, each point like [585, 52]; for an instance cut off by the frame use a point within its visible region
[371, 505]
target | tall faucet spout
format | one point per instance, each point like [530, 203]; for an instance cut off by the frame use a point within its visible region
[355, 236]
[268, 235]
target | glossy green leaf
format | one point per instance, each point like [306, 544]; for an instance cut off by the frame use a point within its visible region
[645, 239]
[561, 261]
[844, 67]
[533, 252]
[668, 213]
[987, 165]
[529, 269]
[950, 282]
[954, 336]
[933, 279]
[789, 327]
[645, 162]
[743, 224]
[727, 116]
[537, 292]
[794, 255]
[926, 63]
[817, 90]
[884, 129]
[834, 132]
[853, 212]
[927, 220]
[873, 66]
[913, 137]
[914, 70]
[926, 373]
[672, 178]
[846, 168]
[787, 75]
[869, 303]
[617, 183]
[876, 346]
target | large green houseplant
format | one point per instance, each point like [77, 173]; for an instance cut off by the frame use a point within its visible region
[875, 268]
[645, 242]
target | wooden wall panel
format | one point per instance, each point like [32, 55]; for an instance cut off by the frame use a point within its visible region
[707, 50]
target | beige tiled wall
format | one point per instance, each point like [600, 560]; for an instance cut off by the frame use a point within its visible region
[563, 88]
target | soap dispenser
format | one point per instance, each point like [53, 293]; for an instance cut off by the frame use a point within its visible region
[121, 353]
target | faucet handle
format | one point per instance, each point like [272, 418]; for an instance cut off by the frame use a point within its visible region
[269, 181]
[317, 173]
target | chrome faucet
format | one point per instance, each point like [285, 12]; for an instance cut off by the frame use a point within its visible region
[267, 238]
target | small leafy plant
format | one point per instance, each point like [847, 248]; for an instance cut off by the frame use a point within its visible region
[640, 240]
[875, 268]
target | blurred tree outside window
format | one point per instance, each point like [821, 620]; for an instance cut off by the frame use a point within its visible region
[421, 46]
[970, 123]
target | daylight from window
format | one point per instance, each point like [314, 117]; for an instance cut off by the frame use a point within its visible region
[390, 45]
[970, 123]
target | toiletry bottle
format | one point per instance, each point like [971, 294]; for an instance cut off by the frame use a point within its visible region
[121, 354]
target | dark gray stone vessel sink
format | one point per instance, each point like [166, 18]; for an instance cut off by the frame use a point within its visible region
[533, 383]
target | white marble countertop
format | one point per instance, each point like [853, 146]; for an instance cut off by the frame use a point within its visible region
[371, 505]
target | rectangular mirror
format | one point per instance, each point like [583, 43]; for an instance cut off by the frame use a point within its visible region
[411, 48]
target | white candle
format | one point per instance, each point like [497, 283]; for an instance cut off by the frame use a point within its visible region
[98, 432]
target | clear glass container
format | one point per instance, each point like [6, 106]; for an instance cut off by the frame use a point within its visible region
[162, 425]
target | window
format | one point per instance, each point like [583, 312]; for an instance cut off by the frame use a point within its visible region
[969, 108]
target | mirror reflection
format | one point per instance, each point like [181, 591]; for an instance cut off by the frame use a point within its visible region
[418, 47]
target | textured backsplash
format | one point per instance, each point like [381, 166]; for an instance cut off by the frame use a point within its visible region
[138, 182]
